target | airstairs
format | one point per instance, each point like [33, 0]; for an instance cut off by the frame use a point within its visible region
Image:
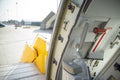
[20, 71]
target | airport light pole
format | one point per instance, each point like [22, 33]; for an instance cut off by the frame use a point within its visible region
[16, 10]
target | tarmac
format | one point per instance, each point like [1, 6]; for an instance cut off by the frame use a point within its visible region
[12, 42]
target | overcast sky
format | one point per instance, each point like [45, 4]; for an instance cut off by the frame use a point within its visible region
[30, 10]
